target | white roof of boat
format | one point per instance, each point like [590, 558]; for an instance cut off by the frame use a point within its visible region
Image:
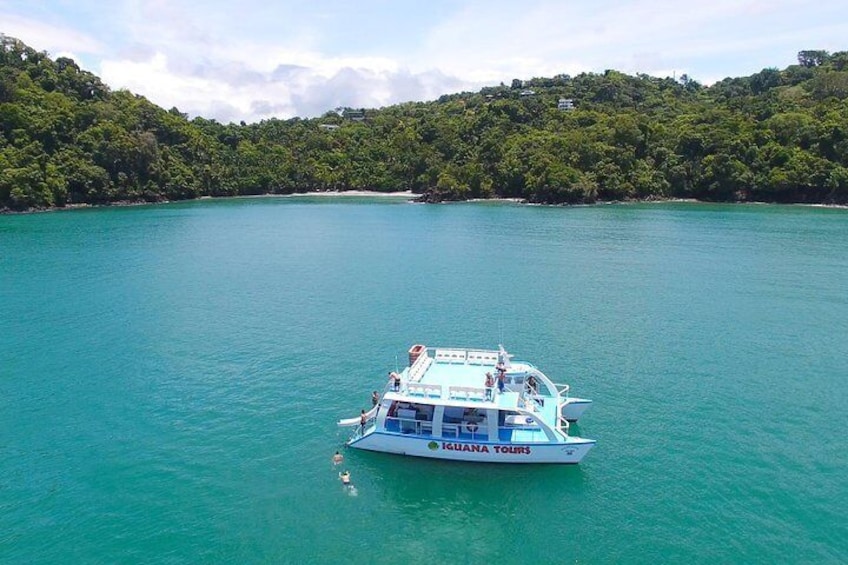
[457, 377]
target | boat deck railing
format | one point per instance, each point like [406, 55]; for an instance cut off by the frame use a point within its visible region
[409, 426]
[562, 390]
[451, 356]
[465, 356]
[467, 431]
[478, 394]
[369, 425]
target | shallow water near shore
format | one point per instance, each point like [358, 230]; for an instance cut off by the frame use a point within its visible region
[171, 375]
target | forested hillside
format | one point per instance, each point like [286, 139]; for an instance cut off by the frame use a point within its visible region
[776, 136]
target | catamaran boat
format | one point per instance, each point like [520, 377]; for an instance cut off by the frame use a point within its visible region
[472, 405]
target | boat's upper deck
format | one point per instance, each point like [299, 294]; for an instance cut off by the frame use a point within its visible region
[456, 376]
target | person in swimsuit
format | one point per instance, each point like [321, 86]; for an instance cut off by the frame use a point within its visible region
[395, 381]
[363, 419]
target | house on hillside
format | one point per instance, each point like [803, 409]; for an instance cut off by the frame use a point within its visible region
[328, 127]
[565, 104]
[355, 115]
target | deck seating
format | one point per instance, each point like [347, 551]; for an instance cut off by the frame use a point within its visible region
[467, 393]
[419, 368]
[415, 390]
[482, 358]
[430, 391]
[458, 393]
[475, 357]
[450, 356]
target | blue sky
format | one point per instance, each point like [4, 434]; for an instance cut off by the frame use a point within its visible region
[252, 60]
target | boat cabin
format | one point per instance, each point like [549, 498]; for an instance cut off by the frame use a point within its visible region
[444, 396]
[423, 417]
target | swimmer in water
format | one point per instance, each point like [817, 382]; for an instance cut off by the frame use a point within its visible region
[337, 458]
[345, 477]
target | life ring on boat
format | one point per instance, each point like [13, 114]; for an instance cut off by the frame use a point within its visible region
[471, 427]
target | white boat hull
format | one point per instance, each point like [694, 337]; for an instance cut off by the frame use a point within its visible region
[574, 408]
[569, 452]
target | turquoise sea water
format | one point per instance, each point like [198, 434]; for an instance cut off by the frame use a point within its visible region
[170, 379]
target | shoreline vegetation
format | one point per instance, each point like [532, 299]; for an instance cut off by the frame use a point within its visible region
[129, 203]
[778, 136]
[408, 196]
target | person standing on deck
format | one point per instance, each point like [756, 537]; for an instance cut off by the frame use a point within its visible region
[363, 419]
[501, 380]
[375, 398]
[490, 385]
[395, 381]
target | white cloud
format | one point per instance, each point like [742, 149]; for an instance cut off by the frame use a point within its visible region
[255, 60]
[208, 96]
[232, 91]
[43, 36]
[206, 68]
[547, 37]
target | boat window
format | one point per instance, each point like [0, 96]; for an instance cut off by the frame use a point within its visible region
[412, 411]
[425, 412]
[472, 415]
[453, 414]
